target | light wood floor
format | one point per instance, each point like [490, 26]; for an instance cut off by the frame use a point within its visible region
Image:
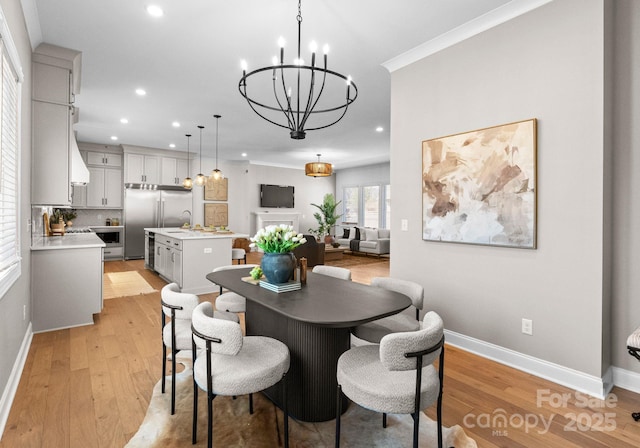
[90, 387]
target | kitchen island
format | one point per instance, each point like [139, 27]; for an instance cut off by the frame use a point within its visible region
[186, 256]
[66, 280]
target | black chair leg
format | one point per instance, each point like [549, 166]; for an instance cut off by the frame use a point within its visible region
[210, 397]
[384, 419]
[164, 365]
[251, 404]
[416, 428]
[338, 412]
[173, 381]
[286, 412]
[194, 428]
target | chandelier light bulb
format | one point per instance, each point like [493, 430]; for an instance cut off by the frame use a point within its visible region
[187, 183]
[274, 60]
[243, 65]
[325, 48]
[313, 46]
[200, 179]
[281, 42]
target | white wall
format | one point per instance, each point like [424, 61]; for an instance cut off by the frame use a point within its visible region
[547, 64]
[13, 327]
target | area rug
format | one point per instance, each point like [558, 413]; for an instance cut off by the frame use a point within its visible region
[128, 283]
[352, 260]
[235, 427]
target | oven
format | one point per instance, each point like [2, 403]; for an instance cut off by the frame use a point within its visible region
[113, 238]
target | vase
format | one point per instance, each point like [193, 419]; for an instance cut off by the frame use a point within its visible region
[277, 267]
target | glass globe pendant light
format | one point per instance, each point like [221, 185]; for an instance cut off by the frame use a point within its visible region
[216, 174]
[188, 183]
[200, 178]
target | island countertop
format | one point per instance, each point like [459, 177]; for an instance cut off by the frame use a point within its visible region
[68, 241]
[186, 234]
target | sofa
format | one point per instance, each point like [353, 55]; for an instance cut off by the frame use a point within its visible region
[366, 240]
[312, 250]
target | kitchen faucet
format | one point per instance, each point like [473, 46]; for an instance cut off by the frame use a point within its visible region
[189, 212]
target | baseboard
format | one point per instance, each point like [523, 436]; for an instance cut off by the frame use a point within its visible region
[579, 381]
[626, 379]
[11, 388]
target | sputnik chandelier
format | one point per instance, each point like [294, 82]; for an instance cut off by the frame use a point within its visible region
[300, 108]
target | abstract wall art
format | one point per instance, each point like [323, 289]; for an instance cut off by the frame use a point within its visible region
[479, 187]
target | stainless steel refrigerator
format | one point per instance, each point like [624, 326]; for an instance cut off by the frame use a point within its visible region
[162, 207]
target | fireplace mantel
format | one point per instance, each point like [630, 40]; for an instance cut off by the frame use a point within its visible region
[264, 219]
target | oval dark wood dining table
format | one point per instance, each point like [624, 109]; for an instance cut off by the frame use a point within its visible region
[314, 322]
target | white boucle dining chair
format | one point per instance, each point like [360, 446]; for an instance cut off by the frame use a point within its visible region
[374, 331]
[230, 364]
[176, 333]
[386, 377]
[230, 301]
[332, 271]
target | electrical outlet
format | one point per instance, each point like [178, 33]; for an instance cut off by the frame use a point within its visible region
[208, 250]
[527, 326]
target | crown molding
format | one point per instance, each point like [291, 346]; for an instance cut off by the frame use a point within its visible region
[465, 31]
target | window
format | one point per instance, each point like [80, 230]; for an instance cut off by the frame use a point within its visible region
[351, 205]
[10, 79]
[371, 195]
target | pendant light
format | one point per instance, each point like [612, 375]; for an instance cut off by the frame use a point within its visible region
[188, 183]
[318, 169]
[200, 178]
[216, 174]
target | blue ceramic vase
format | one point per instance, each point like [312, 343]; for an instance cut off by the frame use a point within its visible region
[278, 268]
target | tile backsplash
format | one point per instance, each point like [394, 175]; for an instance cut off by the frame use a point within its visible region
[85, 218]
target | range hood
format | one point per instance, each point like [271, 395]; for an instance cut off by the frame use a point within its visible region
[79, 170]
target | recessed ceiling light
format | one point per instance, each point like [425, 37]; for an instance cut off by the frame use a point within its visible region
[155, 11]
[124, 121]
[244, 154]
[141, 92]
[379, 129]
[172, 145]
[175, 124]
[113, 137]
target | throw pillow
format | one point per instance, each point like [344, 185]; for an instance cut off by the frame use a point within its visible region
[372, 234]
[345, 233]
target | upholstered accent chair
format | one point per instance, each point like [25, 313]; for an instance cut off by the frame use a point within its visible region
[333, 271]
[230, 301]
[229, 364]
[312, 250]
[386, 377]
[176, 333]
[633, 346]
[239, 254]
[376, 330]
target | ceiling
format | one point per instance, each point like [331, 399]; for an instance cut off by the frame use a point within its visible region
[188, 61]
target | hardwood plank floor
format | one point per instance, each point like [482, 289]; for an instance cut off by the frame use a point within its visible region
[90, 386]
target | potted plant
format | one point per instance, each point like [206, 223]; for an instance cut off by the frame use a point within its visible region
[277, 242]
[69, 214]
[326, 218]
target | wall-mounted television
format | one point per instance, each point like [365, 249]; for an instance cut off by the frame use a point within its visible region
[276, 196]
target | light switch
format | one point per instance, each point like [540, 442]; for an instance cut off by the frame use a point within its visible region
[404, 224]
[207, 250]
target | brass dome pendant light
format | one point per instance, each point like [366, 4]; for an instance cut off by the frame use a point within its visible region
[188, 183]
[200, 178]
[216, 174]
[318, 169]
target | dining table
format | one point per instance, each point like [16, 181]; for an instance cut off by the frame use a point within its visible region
[315, 322]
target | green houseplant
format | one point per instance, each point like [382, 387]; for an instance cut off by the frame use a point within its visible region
[326, 218]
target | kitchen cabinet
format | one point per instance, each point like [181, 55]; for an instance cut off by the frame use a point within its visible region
[173, 170]
[66, 287]
[51, 163]
[168, 259]
[105, 188]
[55, 79]
[105, 159]
[141, 168]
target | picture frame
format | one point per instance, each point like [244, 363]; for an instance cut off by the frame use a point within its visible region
[216, 189]
[480, 187]
[216, 215]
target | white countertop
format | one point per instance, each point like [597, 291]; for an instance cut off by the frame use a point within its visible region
[183, 234]
[68, 241]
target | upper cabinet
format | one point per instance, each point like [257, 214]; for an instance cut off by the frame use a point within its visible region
[173, 171]
[56, 73]
[141, 168]
[104, 159]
